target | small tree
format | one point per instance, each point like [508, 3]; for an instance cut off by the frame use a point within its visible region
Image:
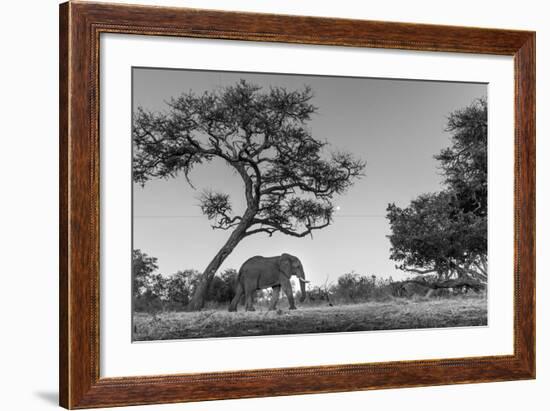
[148, 286]
[181, 285]
[289, 180]
[222, 287]
[143, 269]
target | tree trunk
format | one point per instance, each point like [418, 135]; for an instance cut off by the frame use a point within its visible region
[199, 296]
[461, 282]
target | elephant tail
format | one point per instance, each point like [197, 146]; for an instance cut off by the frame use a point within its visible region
[238, 278]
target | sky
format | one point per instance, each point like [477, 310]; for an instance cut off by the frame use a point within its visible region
[396, 126]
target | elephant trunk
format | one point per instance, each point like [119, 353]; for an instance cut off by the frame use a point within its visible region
[302, 289]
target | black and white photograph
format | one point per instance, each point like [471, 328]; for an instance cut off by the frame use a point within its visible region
[269, 204]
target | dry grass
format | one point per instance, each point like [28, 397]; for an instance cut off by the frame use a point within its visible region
[391, 315]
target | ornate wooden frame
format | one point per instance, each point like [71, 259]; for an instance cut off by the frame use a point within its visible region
[80, 27]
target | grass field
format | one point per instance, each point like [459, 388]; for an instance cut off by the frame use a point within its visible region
[394, 314]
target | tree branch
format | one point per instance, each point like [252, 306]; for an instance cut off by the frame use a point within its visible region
[419, 271]
[274, 226]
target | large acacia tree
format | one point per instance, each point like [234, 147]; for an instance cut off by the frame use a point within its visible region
[288, 176]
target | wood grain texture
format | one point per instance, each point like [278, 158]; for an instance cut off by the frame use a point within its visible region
[525, 202]
[80, 27]
[63, 205]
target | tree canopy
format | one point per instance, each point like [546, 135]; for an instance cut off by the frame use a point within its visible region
[289, 176]
[144, 272]
[464, 163]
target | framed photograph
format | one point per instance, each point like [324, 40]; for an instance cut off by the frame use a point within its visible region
[259, 205]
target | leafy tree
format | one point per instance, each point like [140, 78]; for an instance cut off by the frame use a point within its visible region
[149, 287]
[181, 285]
[464, 163]
[143, 269]
[446, 233]
[289, 178]
[432, 235]
[222, 287]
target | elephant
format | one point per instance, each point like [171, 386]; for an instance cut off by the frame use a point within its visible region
[263, 272]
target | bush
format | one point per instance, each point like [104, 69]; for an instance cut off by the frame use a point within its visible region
[222, 287]
[148, 302]
[351, 288]
[155, 292]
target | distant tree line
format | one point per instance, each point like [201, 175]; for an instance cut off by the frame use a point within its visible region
[153, 292]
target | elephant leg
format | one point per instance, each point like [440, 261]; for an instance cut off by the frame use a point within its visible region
[274, 297]
[250, 302]
[237, 298]
[249, 299]
[287, 288]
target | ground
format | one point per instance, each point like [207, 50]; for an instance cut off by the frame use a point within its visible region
[390, 315]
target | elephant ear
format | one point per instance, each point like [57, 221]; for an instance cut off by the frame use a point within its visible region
[285, 265]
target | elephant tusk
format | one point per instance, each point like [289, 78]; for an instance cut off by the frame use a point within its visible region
[304, 281]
